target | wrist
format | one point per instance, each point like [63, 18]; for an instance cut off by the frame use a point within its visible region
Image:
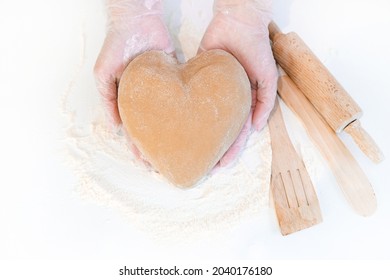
[250, 12]
[126, 11]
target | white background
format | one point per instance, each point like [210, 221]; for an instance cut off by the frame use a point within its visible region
[41, 217]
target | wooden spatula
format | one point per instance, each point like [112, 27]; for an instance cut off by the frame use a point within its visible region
[295, 200]
[350, 176]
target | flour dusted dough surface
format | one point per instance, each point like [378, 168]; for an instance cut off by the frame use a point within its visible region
[184, 117]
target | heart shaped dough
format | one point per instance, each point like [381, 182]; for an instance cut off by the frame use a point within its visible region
[184, 117]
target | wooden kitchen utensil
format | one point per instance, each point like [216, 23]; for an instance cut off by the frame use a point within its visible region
[350, 177]
[330, 99]
[295, 200]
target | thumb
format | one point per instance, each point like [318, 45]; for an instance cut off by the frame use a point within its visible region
[108, 89]
[265, 99]
[231, 155]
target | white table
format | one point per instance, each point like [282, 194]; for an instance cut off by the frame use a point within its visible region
[42, 218]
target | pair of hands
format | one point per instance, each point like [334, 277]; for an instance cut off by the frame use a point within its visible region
[238, 27]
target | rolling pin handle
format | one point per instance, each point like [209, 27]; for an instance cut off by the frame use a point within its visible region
[364, 141]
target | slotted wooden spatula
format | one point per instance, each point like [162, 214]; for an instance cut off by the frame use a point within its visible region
[295, 200]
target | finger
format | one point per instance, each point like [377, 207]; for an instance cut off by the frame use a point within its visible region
[138, 156]
[202, 46]
[109, 93]
[265, 100]
[210, 41]
[262, 111]
[106, 84]
[231, 154]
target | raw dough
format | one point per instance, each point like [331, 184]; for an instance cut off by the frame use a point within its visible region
[184, 117]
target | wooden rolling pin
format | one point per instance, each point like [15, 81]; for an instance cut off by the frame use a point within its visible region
[330, 99]
[349, 175]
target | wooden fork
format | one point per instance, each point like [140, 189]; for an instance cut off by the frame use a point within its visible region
[295, 200]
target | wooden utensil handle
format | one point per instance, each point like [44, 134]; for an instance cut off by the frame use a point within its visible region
[350, 177]
[364, 141]
[316, 82]
[330, 99]
[277, 127]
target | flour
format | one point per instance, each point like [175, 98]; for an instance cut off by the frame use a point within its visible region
[109, 174]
